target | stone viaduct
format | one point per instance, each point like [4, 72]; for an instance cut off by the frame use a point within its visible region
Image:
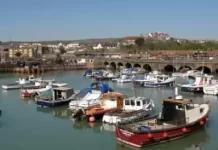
[209, 66]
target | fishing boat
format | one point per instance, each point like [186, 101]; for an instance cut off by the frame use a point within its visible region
[179, 118]
[90, 96]
[211, 89]
[60, 96]
[110, 102]
[160, 81]
[29, 92]
[124, 79]
[150, 77]
[134, 108]
[198, 83]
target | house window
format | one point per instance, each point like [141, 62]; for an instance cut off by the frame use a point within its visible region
[132, 102]
[126, 102]
[138, 103]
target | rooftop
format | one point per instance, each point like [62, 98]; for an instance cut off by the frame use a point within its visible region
[62, 89]
[179, 101]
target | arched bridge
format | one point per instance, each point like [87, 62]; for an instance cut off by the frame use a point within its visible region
[209, 66]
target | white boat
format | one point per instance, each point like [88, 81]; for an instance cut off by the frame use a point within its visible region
[59, 84]
[134, 108]
[89, 97]
[150, 77]
[160, 81]
[199, 82]
[28, 81]
[212, 88]
[35, 91]
[188, 73]
[124, 79]
[105, 75]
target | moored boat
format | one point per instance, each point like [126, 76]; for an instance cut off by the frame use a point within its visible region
[179, 118]
[90, 96]
[134, 108]
[124, 79]
[211, 89]
[60, 96]
[160, 81]
[199, 82]
[110, 102]
[35, 91]
[19, 84]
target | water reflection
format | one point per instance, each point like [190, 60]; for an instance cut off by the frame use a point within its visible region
[58, 112]
[28, 100]
[192, 142]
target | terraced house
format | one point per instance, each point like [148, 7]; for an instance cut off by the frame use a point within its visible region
[21, 52]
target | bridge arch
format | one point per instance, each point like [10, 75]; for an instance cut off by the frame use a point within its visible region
[128, 65]
[205, 69]
[147, 67]
[106, 64]
[136, 66]
[120, 65]
[184, 68]
[113, 65]
[169, 68]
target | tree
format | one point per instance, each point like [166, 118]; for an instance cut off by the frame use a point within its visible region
[18, 54]
[62, 50]
[140, 42]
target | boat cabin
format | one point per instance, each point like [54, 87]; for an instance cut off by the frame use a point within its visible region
[135, 103]
[112, 100]
[62, 93]
[203, 79]
[178, 111]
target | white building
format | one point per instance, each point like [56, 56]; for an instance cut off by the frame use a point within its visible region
[99, 46]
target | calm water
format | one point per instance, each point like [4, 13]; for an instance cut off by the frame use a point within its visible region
[25, 126]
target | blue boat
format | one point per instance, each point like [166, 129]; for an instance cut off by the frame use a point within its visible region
[90, 94]
[60, 96]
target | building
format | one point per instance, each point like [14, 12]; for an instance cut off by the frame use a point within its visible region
[130, 40]
[99, 46]
[23, 52]
[157, 35]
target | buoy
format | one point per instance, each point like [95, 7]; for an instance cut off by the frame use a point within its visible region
[201, 122]
[207, 119]
[150, 135]
[184, 130]
[91, 119]
[165, 135]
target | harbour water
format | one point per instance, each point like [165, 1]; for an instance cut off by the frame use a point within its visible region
[25, 126]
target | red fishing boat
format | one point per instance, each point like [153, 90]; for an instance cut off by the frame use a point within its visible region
[179, 117]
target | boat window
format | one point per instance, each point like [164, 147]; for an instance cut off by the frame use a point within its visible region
[138, 103]
[144, 102]
[188, 107]
[127, 102]
[132, 102]
[179, 107]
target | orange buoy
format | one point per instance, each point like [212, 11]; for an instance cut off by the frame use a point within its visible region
[165, 135]
[207, 119]
[150, 135]
[201, 122]
[91, 119]
[184, 130]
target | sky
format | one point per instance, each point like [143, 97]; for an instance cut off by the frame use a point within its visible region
[39, 20]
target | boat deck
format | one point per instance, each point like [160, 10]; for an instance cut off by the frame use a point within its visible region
[152, 124]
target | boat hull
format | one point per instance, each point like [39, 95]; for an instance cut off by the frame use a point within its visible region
[142, 139]
[151, 84]
[192, 89]
[51, 103]
[114, 118]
